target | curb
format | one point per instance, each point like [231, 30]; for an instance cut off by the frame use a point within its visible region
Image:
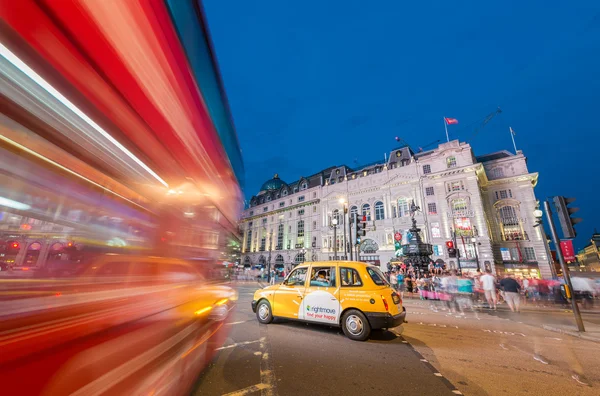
[572, 333]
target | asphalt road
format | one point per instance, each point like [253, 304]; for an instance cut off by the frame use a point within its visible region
[293, 358]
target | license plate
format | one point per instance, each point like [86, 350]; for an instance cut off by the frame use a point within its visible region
[396, 299]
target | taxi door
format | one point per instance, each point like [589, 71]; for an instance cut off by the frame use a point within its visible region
[287, 299]
[321, 301]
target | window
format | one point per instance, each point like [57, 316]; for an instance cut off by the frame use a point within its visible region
[265, 209]
[497, 173]
[379, 211]
[431, 208]
[301, 229]
[353, 210]
[456, 186]
[281, 204]
[459, 205]
[350, 277]
[314, 195]
[438, 250]
[503, 194]
[264, 221]
[290, 214]
[322, 276]
[251, 213]
[279, 237]
[429, 191]
[403, 207]
[300, 212]
[249, 224]
[366, 211]
[299, 259]
[284, 193]
[426, 169]
[510, 224]
[314, 225]
[297, 277]
[394, 211]
[301, 198]
[303, 186]
[249, 240]
[268, 197]
[279, 261]
[435, 230]
[451, 162]
[529, 253]
[263, 244]
[314, 209]
[377, 276]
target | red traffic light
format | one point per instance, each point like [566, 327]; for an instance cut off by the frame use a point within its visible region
[70, 244]
[15, 245]
[450, 245]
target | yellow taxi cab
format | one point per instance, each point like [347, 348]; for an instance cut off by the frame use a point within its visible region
[353, 295]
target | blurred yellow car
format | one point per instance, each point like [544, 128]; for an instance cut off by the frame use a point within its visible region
[353, 295]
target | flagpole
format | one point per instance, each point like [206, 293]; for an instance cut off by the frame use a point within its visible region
[512, 135]
[446, 127]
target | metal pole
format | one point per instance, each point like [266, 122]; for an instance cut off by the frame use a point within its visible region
[269, 261]
[350, 236]
[446, 127]
[564, 267]
[345, 240]
[476, 255]
[457, 249]
[335, 242]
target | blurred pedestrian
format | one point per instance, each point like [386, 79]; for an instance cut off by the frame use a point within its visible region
[488, 283]
[511, 292]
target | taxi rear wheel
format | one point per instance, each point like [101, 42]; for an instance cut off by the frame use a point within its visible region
[263, 312]
[355, 325]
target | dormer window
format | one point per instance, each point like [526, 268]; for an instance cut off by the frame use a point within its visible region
[303, 186]
[398, 154]
[451, 162]
[337, 171]
[284, 193]
[268, 198]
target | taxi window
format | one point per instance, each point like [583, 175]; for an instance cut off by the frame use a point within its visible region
[350, 277]
[377, 276]
[322, 276]
[297, 277]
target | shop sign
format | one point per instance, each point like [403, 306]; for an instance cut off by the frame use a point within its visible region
[460, 214]
[468, 264]
[518, 266]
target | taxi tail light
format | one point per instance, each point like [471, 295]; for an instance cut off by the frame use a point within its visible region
[385, 304]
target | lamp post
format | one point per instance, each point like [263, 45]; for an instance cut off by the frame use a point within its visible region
[333, 223]
[269, 259]
[344, 212]
[474, 242]
[539, 216]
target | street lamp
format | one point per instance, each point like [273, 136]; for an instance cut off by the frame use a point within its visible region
[333, 223]
[538, 214]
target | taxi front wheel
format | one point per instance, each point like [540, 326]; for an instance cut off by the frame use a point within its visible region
[263, 312]
[355, 325]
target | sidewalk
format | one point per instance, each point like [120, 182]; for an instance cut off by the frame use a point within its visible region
[592, 331]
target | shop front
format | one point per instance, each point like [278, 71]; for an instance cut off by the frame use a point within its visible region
[522, 270]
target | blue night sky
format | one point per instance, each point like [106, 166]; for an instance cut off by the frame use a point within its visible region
[319, 83]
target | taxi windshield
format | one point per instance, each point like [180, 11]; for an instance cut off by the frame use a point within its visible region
[377, 276]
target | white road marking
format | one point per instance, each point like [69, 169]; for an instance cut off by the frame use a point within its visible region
[237, 344]
[248, 390]
[424, 360]
[554, 338]
[437, 374]
[503, 347]
[457, 392]
[258, 353]
[234, 323]
[267, 376]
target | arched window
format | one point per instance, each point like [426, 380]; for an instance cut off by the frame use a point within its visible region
[353, 210]
[379, 211]
[336, 215]
[268, 197]
[279, 260]
[284, 193]
[510, 224]
[300, 258]
[262, 261]
[403, 207]
[366, 211]
[459, 205]
[247, 262]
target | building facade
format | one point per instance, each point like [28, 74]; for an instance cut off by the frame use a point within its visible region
[484, 204]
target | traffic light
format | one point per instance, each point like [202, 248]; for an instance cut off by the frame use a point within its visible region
[451, 249]
[14, 245]
[564, 216]
[360, 227]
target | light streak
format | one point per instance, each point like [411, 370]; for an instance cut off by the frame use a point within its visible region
[18, 63]
[13, 204]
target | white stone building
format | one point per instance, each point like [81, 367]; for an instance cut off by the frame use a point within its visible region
[484, 203]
